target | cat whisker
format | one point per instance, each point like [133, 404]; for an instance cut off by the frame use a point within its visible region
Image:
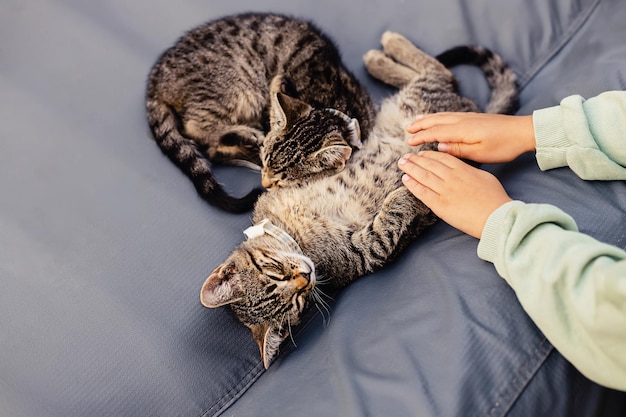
[289, 330]
[322, 306]
[246, 164]
[322, 293]
[322, 281]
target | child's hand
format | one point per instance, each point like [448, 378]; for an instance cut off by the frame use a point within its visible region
[480, 137]
[462, 196]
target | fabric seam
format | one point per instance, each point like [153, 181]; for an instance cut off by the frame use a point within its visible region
[568, 34]
[235, 392]
[525, 374]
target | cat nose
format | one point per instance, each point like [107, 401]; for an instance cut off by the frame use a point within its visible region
[302, 280]
[266, 183]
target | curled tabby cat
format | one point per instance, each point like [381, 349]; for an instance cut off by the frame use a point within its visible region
[208, 99]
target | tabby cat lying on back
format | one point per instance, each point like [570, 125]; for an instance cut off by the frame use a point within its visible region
[337, 228]
[208, 99]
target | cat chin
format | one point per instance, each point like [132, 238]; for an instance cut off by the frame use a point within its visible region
[269, 337]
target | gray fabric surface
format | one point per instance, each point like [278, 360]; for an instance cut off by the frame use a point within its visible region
[104, 243]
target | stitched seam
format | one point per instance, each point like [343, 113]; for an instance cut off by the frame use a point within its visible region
[565, 38]
[526, 372]
[235, 392]
[251, 377]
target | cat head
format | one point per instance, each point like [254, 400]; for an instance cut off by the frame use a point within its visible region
[268, 284]
[305, 143]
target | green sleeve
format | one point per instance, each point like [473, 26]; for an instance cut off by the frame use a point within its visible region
[589, 136]
[571, 285]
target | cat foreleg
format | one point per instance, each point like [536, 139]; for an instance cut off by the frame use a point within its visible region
[402, 218]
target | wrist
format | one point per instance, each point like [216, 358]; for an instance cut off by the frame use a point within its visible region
[492, 229]
[528, 128]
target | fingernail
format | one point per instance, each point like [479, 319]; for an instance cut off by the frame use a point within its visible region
[406, 178]
[401, 161]
[419, 117]
[443, 147]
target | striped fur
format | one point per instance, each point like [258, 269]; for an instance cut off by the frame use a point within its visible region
[318, 150]
[347, 225]
[208, 96]
[500, 77]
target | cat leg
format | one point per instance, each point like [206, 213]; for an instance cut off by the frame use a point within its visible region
[239, 145]
[402, 218]
[433, 89]
[406, 53]
[282, 84]
[223, 143]
[382, 67]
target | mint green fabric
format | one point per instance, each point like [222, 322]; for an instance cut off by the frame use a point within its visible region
[572, 285]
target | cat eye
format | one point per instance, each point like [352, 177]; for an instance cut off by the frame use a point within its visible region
[275, 274]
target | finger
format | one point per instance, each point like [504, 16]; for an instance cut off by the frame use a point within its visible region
[438, 132]
[455, 169]
[418, 139]
[427, 121]
[456, 149]
[422, 192]
[444, 161]
[423, 171]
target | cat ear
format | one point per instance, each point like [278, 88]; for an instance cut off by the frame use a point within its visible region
[333, 156]
[355, 134]
[220, 288]
[286, 110]
[268, 338]
[354, 129]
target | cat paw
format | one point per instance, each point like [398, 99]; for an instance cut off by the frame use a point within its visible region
[377, 63]
[429, 146]
[382, 67]
[241, 143]
[404, 51]
[396, 45]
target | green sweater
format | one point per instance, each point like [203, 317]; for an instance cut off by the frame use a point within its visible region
[571, 285]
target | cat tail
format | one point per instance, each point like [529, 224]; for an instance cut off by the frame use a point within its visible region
[184, 153]
[500, 77]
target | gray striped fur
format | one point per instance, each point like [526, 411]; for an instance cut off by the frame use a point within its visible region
[208, 96]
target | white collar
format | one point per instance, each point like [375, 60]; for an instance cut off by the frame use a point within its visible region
[266, 227]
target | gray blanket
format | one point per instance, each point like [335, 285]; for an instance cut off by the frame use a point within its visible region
[104, 244]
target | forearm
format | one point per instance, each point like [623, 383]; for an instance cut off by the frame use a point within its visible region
[572, 286]
[589, 136]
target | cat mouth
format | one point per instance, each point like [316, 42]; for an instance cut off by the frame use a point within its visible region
[305, 282]
[307, 277]
[267, 183]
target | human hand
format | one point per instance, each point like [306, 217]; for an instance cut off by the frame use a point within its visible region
[480, 137]
[459, 194]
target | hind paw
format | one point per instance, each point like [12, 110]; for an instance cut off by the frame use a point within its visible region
[382, 67]
[377, 63]
[405, 52]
